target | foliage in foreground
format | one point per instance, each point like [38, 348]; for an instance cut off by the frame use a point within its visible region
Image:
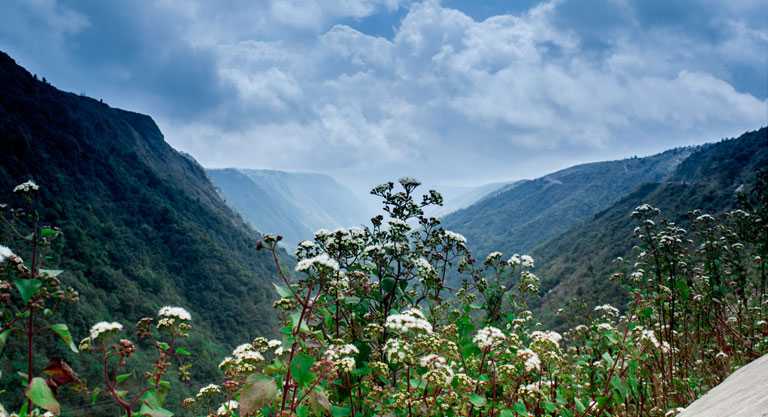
[370, 327]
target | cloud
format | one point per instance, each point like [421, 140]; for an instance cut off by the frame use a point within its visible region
[448, 97]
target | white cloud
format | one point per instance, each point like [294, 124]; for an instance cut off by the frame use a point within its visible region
[447, 96]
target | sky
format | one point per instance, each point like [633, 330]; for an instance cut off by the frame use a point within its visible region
[451, 92]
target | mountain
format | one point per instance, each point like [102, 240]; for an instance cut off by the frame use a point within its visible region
[291, 204]
[459, 197]
[577, 264]
[142, 224]
[520, 216]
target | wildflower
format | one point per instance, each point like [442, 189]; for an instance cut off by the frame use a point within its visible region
[493, 257]
[410, 320]
[104, 327]
[397, 351]
[5, 253]
[605, 327]
[246, 352]
[455, 237]
[530, 359]
[226, 409]
[408, 182]
[550, 336]
[526, 261]
[208, 391]
[608, 310]
[274, 343]
[673, 412]
[26, 187]
[342, 356]
[488, 337]
[174, 313]
[397, 224]
[319, 261]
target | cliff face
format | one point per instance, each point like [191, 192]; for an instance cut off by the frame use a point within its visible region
[143, 226]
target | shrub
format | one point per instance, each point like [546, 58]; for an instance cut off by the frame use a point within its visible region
[372, 325]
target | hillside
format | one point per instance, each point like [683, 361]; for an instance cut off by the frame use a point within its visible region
[456, 197]
[531, 212]
[576, 265]
[142, 224]
[292, 204]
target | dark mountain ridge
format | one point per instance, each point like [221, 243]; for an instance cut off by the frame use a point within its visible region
[142, 224]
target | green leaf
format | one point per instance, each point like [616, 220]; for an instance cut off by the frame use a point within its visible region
[282, 291]
[152, 406]
[183, 352]
[122, 378]
[477, 400]
[387, 284]
[300, 369]
[580, 407]
[41, 395]
[28, 288]
[257, 392]
[62, 330]
[48, 232]
[51, 273]
[507, 413]
[619, 386]
[340, 411]
[4, 338]
[520, 408]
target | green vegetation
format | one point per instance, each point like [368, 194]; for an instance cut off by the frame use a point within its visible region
[370, 328]
[140, 225]
[576, 266]
[529, 213]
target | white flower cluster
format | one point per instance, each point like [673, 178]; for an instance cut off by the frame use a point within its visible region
[174, 313]
[493, 257]
[489, 337]
[103, 327]
[226, 409]
[26, 187]
[246, 352]
[396, 351]
[608, 310]
[319, 261]
[423, 267]
[530, 359]
[208, 391]
[5, 253]
[439, 371]
[455, 237]
[343, 356]
[243, 360]
[548, 336]
[399, 225]
[410, 320]
[408, 182]
[521, 260]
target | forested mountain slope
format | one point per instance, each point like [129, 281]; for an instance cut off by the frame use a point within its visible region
[142, 225]
[292, 204]
[576, 265]
[531, 212]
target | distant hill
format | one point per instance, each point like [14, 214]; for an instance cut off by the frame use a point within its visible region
[457, 197]
[577, 264]
[528, 213]
[142, 224]
[291, 204]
